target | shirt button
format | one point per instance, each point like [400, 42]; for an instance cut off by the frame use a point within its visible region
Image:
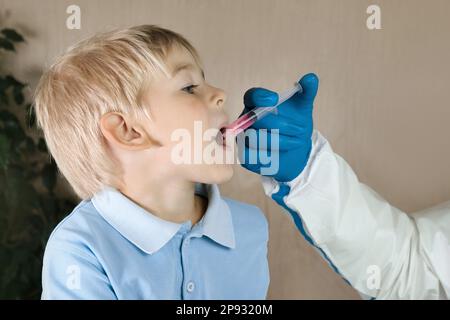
[190, 287]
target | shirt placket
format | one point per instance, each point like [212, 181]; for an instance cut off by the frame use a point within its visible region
[190, 286]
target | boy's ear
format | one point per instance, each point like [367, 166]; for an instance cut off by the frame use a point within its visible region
[123, 133]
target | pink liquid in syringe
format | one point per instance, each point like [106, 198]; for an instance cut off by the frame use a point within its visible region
[239, 125]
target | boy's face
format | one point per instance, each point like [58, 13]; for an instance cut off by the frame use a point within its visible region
[186, 114]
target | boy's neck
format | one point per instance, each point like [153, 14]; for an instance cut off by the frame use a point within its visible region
[172, 201]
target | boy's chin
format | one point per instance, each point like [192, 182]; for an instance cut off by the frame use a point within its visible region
[216, 174]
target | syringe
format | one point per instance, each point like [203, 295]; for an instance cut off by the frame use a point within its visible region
[249, 118]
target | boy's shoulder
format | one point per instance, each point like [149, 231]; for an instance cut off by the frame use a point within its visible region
[79, 228]
[245, 215]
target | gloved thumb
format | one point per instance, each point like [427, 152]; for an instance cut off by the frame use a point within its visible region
[310, 85]
[260, 97]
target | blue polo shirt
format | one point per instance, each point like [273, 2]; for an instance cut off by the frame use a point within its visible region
[111, 248]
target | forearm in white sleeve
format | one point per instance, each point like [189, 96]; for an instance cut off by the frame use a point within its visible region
[381, 251]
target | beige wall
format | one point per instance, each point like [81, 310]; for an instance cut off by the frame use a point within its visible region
[383, 100]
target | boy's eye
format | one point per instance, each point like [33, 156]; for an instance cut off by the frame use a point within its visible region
[189, 89]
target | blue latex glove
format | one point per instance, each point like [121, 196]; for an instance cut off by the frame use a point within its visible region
[295, 124]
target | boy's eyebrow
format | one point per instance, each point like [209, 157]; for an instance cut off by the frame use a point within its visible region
[185, 66]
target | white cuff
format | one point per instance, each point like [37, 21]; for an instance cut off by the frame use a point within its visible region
[319, 143]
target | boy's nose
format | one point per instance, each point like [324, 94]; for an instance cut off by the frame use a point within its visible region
[219, 97]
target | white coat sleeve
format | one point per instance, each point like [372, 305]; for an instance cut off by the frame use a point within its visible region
[381, 251]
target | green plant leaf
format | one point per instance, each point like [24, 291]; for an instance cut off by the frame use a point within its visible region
[30, 145]
[27, 148]
[41, 145]
[4, 84]
[3, 99]
[12, 35]
[48, 205]
[15, 191]
[11, 126]
[13, 81]
[28, 213]
[4, 151]
[6, 44]
[31, 115]
[49, 176]
[18, 95]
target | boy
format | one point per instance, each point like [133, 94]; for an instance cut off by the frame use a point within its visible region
[147, 227]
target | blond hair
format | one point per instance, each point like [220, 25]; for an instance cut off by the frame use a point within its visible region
[107, 72]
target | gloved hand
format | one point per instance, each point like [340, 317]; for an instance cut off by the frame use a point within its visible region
[295, 124]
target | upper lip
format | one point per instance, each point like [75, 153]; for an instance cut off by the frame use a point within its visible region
[224, 123]
[220, 137]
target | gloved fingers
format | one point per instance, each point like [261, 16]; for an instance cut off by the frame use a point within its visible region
[269, 140]
[259, 97]
[285, 125]
[248, 159]
[310, 85]
[267, 163]
[255, 160]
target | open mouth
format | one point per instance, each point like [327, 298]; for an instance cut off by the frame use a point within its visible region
[225, 137]
[220, 138]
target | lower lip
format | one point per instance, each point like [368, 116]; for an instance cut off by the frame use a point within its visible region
[221, 140]
[225, 144]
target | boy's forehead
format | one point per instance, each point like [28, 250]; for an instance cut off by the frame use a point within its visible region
[180, 59]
